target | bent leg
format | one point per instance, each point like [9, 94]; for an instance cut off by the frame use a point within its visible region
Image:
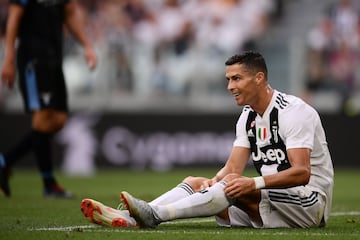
[248, 203]
[297, 207]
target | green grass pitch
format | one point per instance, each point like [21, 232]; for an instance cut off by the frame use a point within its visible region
[27, 215]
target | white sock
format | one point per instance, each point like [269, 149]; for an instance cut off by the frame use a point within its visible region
[202, 204]
[179, 192]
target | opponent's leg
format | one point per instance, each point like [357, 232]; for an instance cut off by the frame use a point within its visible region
[8, 159]
[4, 177]
[46, 123]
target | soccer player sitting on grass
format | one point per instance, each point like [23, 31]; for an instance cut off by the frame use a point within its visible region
[286, 141]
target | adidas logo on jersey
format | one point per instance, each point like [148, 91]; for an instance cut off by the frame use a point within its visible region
[250, 133]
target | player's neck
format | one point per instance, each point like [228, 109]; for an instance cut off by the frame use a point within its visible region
[264, 100]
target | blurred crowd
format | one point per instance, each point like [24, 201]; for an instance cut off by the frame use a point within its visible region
[178, 47]
[170, 44]
[334, 53]
[155, 47]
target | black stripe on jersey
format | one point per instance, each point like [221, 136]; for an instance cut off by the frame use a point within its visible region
[186, 187]
[294, 199]
[280, 100]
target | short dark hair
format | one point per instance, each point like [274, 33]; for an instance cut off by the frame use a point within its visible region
[254, 61]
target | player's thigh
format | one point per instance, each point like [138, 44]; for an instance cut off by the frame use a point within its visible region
[42, 85]
[293, 207]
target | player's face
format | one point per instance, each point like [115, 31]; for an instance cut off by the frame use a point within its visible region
[242, 84]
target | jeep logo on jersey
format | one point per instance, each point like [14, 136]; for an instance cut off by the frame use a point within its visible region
[273, 155]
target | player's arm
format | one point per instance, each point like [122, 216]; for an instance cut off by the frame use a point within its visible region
[9, 69]
[298, 174]
[74, 21]
[299, 133]
[236, 163]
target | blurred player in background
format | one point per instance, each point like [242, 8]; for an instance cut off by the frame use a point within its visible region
[38, 27]
[284, 138]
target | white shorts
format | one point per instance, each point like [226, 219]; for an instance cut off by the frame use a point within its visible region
[297, 207]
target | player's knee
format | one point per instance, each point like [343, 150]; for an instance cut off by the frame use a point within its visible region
[195, 182]
[59, 121]
[188, 179]
[48, 121]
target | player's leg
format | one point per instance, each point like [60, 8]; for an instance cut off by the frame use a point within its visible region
[44, 93]
[37, 140]
[187, 187]
[8, 158]
[32, 141]
[4, 177]
[100, 214]
[19, 150]
[208, 202]
[47, 121]
[234, 216]
[297, 207]
[25, 145]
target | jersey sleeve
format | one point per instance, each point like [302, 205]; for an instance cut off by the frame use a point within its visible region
[298, 127]
[241, 139]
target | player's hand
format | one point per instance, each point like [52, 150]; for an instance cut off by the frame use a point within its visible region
[239, 186]
[8, 73]
[208, 183]
[90, 57]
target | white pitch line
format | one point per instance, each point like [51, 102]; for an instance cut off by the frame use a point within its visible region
[68, 228]
[203, 220]
[196, 232]
[353, 213]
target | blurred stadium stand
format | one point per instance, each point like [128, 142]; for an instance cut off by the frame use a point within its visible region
[158, 94]
[136, 75]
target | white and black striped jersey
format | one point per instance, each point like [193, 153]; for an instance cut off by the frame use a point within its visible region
[288, 122]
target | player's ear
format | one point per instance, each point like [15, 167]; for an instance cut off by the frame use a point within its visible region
[259, 77]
